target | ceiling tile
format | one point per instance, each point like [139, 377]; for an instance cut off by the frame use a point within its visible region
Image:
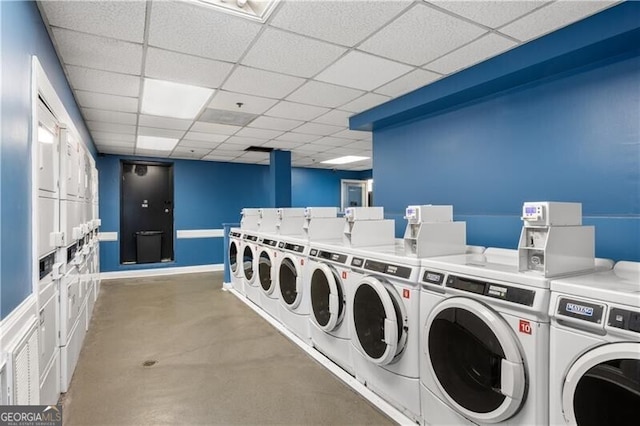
[227, 151]
[152, 153]
[335, 117]
[106, 136]
[353, 134]
[164, 122]
[216, 157]
[261, 83]
[552, 17]
[309, 149]
[361, 145]
[292, 54]
[347, 151]
[333, 142]
[103, 81]
[421, 35]
[161, 133]
[275, 123]
[318, 129]
[323, 94]
[259, 133]
[91, 114]
[255, 156]
[220, 129]
[250, 104]
[408, 83]
[226, 117]
[285, 145]
[108, 102]
[485, 47]
[185, 69]
[198, 144]
[114, 143]
[297, 137]
[341, 22]
[365, 102]
[199, 30]
[123, 20]
[242, 141]
[99, 126]
[189, 152]
[234, 144]
[355, 70]
[490, 13]
[301, 162]
[292, 110]
[98, 52]
[208, 137]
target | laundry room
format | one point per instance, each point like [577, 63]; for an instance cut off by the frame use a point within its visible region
[320, 212]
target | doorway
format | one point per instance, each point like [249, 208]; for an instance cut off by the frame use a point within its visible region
[146, 212]
[354, 193]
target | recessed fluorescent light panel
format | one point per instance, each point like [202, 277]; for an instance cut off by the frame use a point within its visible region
[345, 160]
[255, 10]
[173, 99]
[156, 143]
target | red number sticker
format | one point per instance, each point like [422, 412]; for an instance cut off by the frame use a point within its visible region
[302, 262]
[406, 293]
[525, 327]
[344, 275]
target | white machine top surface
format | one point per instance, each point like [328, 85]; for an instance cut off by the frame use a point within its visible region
[619, 285]
[390, 253]
[501, 264]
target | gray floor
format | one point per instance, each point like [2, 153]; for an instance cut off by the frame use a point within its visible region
[218, 362]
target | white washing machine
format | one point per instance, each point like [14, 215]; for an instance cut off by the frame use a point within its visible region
[385, 323]
[234, 252]
[247, 259]
[595, 348]
[484, 341]
[293, 283]
[329, 328]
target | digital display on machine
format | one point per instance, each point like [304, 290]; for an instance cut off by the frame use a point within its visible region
[385, 268]
[530, 210]
[46, 265]
[335, 257]
[433, 277]
[269, 242]
[493, 290]
[71, 252]
[294, 247]
[252, 238]
[624, 319]
[356, 261]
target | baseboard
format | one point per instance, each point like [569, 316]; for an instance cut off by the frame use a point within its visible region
[15, 325]
[155, 272]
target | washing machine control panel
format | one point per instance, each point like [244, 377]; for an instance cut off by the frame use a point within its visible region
[507, 293]
[388, 269]
[269, 242]
[624, 319]
[431, 277]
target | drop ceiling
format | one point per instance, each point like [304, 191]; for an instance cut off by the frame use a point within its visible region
[290, 83]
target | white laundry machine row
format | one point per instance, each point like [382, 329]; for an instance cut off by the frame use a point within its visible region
[484, 344]
[247, 260]
[384, 317]
[329, 325]
[595, 348]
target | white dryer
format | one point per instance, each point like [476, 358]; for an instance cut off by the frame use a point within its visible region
[595, 348]
[247, 258]
[234, 252]
[293, 285]
[484, 342]
[385, 323]
[329, 326]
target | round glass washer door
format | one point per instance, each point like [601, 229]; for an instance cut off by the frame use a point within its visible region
[327, 297]
[290, 282]
[475, 359]
[247, 262]
[378, 321]
[603, 386]
[233, 257]
[265, 272]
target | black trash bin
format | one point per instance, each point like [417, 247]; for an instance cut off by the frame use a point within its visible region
[148, 246]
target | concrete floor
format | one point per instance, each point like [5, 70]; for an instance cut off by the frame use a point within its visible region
[218, 362]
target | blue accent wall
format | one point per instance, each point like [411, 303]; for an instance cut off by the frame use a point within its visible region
[23, 35]
[320, 187]
[280, 178]
[208, 194]
[575, 137]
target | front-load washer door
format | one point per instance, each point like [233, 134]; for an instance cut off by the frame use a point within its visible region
[327, 297]
[290, 282]
[264, 269]
[378, 321]
[247, 262]
[265, 272]
[233, 258]
[603, 386]
[475, 359]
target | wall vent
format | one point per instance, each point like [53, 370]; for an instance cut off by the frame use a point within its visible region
[22, 365]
